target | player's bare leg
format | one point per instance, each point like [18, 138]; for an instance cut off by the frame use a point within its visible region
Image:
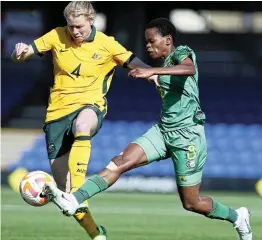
[209, 207]
[133, 156]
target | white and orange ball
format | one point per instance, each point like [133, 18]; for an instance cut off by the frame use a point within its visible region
[31, 188]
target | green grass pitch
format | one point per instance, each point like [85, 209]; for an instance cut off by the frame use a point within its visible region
[127, 216]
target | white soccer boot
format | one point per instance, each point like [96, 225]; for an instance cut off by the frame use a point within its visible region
[65, 201]
[100, 237]
[242, 224]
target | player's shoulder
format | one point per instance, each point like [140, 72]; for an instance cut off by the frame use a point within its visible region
[183, 49]
[103, 37]
[60, 31]
[57, 33]
[104, 40]
[182, 52]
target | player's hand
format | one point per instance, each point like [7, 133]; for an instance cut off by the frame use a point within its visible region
[147, 73]
[155, 80]
[21, 48]
[141, 72]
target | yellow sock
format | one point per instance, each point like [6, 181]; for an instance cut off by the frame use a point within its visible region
[77, 164]
[78, 160]
[87, 222]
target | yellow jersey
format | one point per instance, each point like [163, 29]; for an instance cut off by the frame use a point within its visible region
[82, 74]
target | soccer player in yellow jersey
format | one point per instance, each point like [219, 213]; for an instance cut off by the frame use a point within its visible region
[84, 60]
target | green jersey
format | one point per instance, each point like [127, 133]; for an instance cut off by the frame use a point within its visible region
[180, 94]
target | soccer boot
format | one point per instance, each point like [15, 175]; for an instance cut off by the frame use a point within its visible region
[242, 224]
[102, 235]
[65, 201]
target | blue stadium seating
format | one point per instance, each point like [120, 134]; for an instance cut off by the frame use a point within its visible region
[233, 150]
[17, 81]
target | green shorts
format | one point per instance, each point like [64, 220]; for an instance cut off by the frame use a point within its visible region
[187, 148]
[59, 135]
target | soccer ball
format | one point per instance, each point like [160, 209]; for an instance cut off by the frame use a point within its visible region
[258, 187]
[31, 187]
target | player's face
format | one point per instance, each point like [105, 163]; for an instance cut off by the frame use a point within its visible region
[156, 44]
[79, 27]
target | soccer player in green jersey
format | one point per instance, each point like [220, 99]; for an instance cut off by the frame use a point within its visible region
[179, 135]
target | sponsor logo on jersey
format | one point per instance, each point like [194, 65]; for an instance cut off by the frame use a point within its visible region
[191, 164]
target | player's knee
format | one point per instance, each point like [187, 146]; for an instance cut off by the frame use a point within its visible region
[86, 122]
[122, 163]
[112, 166]
[118, 162]
[190, 205]
[83, 127]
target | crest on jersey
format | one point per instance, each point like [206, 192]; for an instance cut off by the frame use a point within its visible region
[170, 63]
[96, 56]
[182, 178]
[50, 147]
[162, 92]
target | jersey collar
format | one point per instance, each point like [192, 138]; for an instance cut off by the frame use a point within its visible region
[169, 57]
[92, 35]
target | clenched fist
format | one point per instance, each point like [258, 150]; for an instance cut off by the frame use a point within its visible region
[20, 48]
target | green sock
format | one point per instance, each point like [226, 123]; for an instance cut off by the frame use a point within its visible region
[222, 212]
[92, 186]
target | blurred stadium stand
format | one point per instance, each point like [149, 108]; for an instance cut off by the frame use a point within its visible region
[228, 46]
[234, 151]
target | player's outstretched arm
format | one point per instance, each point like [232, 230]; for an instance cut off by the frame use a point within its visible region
[186, 68]
[22, 52]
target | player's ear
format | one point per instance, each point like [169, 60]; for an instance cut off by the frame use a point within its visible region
[168, 40]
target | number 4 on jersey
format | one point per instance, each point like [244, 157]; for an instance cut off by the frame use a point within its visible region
[77, 71]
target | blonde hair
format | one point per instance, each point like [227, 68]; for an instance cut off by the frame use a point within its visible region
[78, 8]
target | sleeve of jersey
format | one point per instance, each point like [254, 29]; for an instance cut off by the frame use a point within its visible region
[181, 53]
[45, 43]
[120, 55]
